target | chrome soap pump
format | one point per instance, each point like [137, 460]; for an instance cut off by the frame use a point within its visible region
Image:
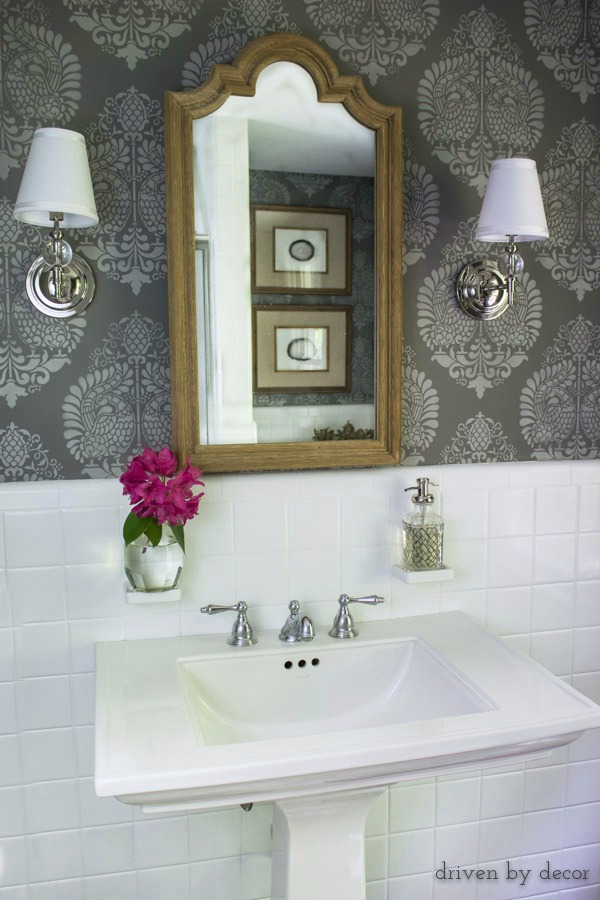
[422, 532]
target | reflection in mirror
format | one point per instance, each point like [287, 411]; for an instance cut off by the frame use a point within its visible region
[284, 224]
[284, 264]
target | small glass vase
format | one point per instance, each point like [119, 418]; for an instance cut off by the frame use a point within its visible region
[151, 569]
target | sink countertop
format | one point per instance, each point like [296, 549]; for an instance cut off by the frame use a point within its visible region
[147, 750]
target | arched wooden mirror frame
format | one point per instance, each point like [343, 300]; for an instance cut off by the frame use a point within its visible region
[181, 109]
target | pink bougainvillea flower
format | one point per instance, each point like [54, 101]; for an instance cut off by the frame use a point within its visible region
[159, 493]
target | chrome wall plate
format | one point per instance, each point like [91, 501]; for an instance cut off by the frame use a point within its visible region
[482, 290]
[41, 290]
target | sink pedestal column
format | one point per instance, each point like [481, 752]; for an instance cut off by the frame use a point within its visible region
[319, 846]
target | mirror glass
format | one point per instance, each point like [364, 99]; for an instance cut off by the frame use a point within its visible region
[284, 241]
[284, 234]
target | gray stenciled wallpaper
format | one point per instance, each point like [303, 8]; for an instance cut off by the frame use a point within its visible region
[333, 192]
[476, 80]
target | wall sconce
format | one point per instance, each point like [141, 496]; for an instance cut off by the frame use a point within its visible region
[512, 211]
[57, 187]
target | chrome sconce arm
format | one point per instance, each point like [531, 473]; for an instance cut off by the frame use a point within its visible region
[512, 211]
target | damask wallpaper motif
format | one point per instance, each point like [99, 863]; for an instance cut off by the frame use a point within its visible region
[476, 80]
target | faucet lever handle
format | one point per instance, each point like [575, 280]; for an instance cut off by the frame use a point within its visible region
[241, 633]
[343, 625]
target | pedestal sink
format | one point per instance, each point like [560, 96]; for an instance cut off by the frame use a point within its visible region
[319, 728]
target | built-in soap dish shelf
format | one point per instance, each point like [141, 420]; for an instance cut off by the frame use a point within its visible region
[424, 575]
[133, 596]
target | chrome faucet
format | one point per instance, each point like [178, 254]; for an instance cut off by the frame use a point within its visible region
[241, 633]
[296, 628]
[343, 626]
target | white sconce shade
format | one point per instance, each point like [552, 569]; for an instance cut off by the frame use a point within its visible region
[513, 203]
[57, 179]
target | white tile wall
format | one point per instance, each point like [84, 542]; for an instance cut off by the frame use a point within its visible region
[524, 540]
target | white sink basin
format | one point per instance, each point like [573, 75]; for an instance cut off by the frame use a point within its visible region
[311, 691]
[193, 723]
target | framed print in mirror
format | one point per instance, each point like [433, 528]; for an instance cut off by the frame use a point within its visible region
[301, 348]
[301, 250]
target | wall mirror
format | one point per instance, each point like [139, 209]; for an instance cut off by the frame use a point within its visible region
[284, 217]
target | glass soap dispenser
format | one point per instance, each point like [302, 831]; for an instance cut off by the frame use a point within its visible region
[422, 532]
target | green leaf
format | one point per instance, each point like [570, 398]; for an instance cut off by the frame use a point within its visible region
[178, 535]
[133, 526]
[153, 532]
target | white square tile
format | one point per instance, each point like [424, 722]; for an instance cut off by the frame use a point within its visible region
[11, 811]
[377, 816]
[101, 810]
[219, 879]
[314, 523]
[458, 801]
[259, 527]
[542, 831]
[588, 684]
[554, 650]
[7, 655]
[583, 782]
[587, 603]
[508, 610]
[93, 535]
[581, 824]
[206, 578]
[457, 842]
[465, 514]
[469, 561]
[10, 760]
[538, 474]
[37, 595]
[215, 834]
[261, 579]
[33, 538]
[211, 532]
[545, 788]
[119, 886]
[152, 621]
[84, 633]
[95, 590]
[83, 699]
[502, 795]
[42, 649]
[44, 703]
[511, 512]
[161, 842]
[5, 610]
[54, 855]
[588, 555]
[510, 561]
[499, 838]
[166, 883]
[589, 508]
[552, 606]
[416, 887]
[108, 849]
[412, 806]
[51, 806]
[314, 575]
[366, 571]
[48, 754]
[71, 889]
[586, 649]
[410, 852]
[556, 509]
[554, 558]
[8, 713]
[364, 521]
[13, 871]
